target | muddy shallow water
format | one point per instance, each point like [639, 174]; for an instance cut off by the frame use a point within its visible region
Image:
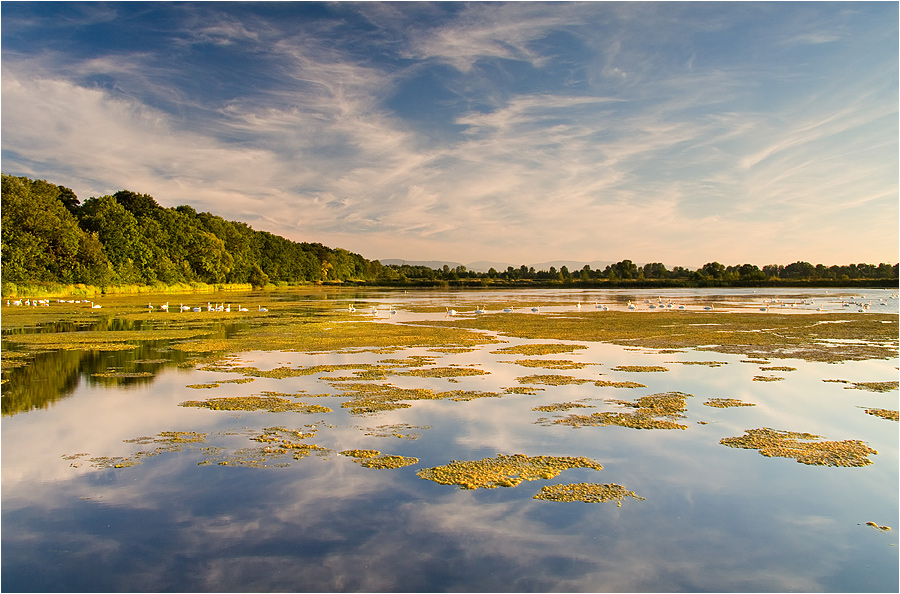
[363, 440]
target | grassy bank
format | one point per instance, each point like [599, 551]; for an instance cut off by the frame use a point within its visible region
[56, 290]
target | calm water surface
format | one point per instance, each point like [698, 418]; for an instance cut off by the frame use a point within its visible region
[713, 518]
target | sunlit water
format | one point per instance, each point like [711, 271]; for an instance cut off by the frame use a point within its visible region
[713, 518]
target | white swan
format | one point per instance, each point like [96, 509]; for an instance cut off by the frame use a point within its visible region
[95, 306]
[507, 309]
[261, 308]
[450, 312]
[479, 309]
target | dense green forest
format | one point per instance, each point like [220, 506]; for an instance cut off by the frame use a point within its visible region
[129, 239]
[50, 237]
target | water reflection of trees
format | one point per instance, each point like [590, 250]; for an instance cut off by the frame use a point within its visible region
[48, 376]
[54, 375]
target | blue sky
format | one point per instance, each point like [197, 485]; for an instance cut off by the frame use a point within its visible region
[514, 132]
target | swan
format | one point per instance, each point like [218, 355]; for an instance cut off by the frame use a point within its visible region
[450, 312]
[507, 309]
[242, 308]
[631, 305]
[164, 306]
[479, 309]
[95, 306]
[261, 308]
[535, 309]
[350, 308]
[149, 306]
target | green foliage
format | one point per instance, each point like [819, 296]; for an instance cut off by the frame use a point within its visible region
[129, 239]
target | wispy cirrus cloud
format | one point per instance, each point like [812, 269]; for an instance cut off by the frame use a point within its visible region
[534, 125]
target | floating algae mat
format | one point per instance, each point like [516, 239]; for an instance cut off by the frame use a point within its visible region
[651, 412]
[374, 459]
[804, 447]
[266, 494]
[869, 386]
[586, 492]
[272, 404]
[726, 403]
[549, 363]
[539, 349]
[891, 415]
[557, 406]
[613, 384]
[503, 471]
[551, 380]
[769, 335]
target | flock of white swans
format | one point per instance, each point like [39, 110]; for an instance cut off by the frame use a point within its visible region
[863, 303]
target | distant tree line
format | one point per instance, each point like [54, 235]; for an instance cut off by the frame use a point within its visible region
[48, 236]
[628, 273]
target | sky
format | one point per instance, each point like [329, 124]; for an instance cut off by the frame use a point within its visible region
[520, 132]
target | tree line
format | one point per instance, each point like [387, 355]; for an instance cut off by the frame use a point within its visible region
[127, 238]
[49, 236]
[627, 272]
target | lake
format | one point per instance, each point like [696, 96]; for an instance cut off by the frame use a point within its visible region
[374, 440]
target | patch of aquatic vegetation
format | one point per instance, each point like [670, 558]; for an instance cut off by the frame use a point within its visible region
[551, 380]
[218, 383]
[557, 406]
[14, 359]
[360, 453]
[169, 441]
[611, 384]
[891, 415]
[410, 361]
[759, 336]
[640, 368]
[777, 368]
[726, 402]
[877, 527]
[452, 350]
[586, 492]
[869, 386]
[315, 336]
[706, 363]
[524, 390]
[398, 430]
[538, 349]
[651, 412]
[803, 447]
[503, 471]
[98, 340]
[374, 398]
[263, 402]
[279, 445]
[122, 374]
[374, 459]
[755, 361]
[444, 372]
[548, 363]
[767, 378]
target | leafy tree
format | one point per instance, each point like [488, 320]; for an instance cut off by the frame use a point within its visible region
[713, 270]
